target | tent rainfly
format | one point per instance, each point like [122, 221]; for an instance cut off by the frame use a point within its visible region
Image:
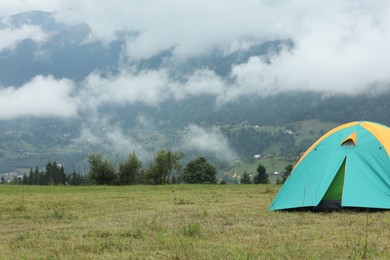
[347, 167]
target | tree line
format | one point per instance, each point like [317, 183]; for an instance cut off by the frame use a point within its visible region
[165, 168]
[261, 176]
[53, 174]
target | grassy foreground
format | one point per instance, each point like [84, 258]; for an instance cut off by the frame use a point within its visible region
[178, 221]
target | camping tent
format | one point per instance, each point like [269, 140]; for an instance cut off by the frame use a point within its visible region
[347, 167]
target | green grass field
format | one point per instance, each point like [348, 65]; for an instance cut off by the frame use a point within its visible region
[180, 222]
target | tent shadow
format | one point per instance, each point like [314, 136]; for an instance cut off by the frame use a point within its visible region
[333, 210]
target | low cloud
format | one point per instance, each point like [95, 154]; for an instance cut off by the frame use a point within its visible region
[337, 48]
[192, 28]
[201, 82]
[146, 87]
[345, 54]
[101, 133]
[41, 97]
[10, 37]
[18, 6]
[211, 140]
[122, 143]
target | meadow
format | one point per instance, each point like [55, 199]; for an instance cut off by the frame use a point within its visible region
[178, 222]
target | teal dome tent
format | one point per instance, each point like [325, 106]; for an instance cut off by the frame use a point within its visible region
[347, 167]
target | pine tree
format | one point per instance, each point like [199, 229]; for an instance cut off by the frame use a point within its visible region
[75, 179]
[24, 179]
[261, 176]
[246, 179]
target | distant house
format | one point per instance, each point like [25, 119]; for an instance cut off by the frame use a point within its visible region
[257, 156]
[235, 175]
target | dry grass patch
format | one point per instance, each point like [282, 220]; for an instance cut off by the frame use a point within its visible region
[178, 221]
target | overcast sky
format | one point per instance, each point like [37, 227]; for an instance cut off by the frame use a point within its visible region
[339, 47]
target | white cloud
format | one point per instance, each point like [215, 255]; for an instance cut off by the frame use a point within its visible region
[123, 144]
[145, 122]
[201, 82]
[196, 28]
[192, 28]
[339, 47]
[11, 37]
[100, 132]
[207, 140]
[10, 7]
[336, 52]
[41, 97]
[147, 87]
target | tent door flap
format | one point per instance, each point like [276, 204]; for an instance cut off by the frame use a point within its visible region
[335, 189]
